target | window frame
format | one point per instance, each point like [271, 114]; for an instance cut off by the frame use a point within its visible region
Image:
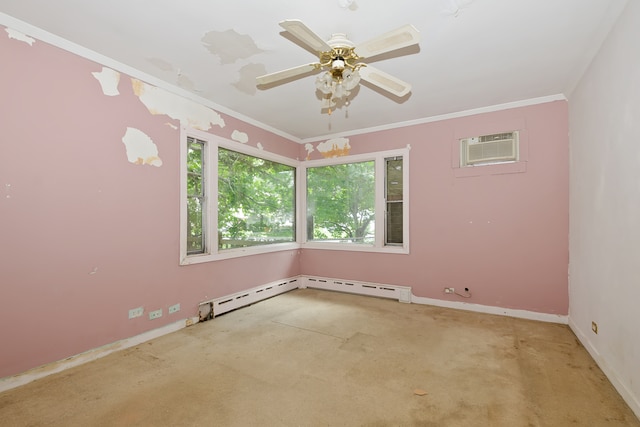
[210, 219]
[379, 244]
[210, 213]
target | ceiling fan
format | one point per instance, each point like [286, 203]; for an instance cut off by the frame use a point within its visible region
[341, 63]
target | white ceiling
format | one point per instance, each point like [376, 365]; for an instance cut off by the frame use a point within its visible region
[492, 52]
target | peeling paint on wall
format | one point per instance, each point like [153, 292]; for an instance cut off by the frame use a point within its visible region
[172, 126]
[109, 80]
[242, 137]
[140, 148]
[17, 35]
[260, 147]
[310, 149]
[230, 46]
[190, 113]
[248, 74]
[336, 147]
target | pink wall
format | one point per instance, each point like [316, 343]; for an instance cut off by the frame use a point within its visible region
[503, 235]
[85, 235]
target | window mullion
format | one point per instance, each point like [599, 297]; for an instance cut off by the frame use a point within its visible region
[380, 204]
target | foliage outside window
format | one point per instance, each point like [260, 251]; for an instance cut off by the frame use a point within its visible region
[256, 201]
[341, 203]
[357, 205]
[196, 200]
[236, 200]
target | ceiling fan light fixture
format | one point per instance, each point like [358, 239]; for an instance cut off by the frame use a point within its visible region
[339, 65]
[337, 84]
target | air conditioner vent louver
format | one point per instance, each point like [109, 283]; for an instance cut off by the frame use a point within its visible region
[489, 149]
[496, 137]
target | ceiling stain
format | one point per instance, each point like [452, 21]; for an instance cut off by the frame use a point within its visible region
[185, 82]
[230, 46]
[248, 74]
[161, 64]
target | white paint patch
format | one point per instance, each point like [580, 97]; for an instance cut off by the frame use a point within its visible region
[230, 45]
[172, 126]
[190, 113]
[140, 148]
[260, 147]
[240, 136]
[310, 149]
[335, 147]
[247, 78]
[17, 35]
[109, 80]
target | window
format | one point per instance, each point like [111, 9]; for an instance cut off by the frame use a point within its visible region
[196, 199]
[357, 202]
[341, 203]
[394, 178]
[236, 200]
[256, 201]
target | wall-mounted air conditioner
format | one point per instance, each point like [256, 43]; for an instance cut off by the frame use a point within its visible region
[489, 149]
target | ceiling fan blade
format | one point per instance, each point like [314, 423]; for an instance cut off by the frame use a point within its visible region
[404, 36]
[298, 29]
[384, 81]
[287, 74]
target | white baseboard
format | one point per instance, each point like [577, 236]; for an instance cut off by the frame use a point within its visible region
[401, 293]
[250, 296]
[90, 355]
[610, 373]
[489, 309]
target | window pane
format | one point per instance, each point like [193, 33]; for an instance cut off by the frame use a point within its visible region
[195, 235]
[195, 197]
[194, 156]
[394, 199]
[256, 201]
[194, 185]
[341, 203]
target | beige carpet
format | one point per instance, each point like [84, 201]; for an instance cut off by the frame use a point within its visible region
[318, 358]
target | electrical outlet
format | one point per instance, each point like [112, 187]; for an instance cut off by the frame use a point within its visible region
[594, 327]
[155, 314]
[174, 308]
[449, 290]
[136, 312]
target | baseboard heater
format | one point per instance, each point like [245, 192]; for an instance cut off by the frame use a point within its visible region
[210, 309]
[401, 293]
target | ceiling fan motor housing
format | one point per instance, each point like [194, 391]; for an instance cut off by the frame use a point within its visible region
[340, 40]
